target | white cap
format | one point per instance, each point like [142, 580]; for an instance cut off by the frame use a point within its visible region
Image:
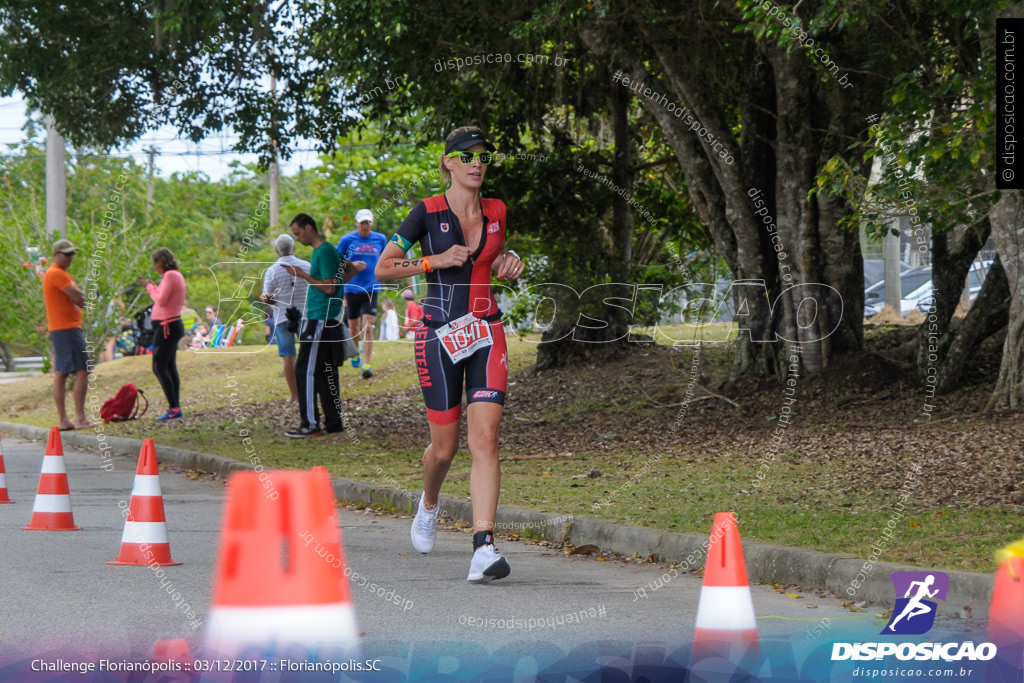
[364, 215]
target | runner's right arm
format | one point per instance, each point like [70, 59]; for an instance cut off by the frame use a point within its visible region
[394, 263]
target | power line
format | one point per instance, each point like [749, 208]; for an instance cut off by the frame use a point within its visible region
[211, 153]
[143, 154]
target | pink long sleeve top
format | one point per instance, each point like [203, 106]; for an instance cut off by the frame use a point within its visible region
[168, 296]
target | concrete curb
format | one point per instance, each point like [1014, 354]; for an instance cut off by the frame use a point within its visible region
[766, 563]
[92, 438]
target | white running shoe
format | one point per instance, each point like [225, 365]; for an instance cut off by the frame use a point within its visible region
[487, 565]
[423, 528]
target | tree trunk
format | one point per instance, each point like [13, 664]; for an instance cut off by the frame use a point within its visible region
[986, 316]
[588, 329]
[622, 175]
[814, 250]
[722, 202]
[789, 282]
[6, 356]
[1007, 220]
[935, 339]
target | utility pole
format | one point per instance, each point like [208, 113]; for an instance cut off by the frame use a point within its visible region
[275, 191]
[893, 289]
[150, 188]
[275, 176]
[56, 192]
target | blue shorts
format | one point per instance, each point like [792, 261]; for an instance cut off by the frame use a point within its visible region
[285, 341]
[69, 352]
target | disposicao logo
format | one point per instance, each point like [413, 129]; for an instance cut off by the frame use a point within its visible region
[914, 613]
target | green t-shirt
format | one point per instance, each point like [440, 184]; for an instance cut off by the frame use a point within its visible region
[326, 262]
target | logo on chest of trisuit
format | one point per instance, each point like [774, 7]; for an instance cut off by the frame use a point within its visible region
[444, 227]
[493, 227]
[463, 337]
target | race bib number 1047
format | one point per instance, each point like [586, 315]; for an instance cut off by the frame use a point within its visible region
[463, 337]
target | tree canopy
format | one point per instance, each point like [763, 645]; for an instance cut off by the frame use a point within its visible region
[637, 132]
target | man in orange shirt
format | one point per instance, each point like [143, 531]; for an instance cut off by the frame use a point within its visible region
[64, 303]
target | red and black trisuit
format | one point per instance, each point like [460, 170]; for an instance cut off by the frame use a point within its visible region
[460, 340]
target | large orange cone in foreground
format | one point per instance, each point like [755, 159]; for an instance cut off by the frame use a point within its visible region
[52, 508]
[280, 577]
[144, 541]
[725, 614]
[4, 498]
[1006, 614]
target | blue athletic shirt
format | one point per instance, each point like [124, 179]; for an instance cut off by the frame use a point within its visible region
[367, 249]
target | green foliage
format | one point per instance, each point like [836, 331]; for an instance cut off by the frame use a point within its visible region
[381, 83]
[365, 173]
[937, 130]
[104, 221]
[21, 259]
[217, 231]
[545, 96]
[109, 71]
[220, 232]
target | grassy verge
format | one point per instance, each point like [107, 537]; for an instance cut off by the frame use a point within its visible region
[616, 443]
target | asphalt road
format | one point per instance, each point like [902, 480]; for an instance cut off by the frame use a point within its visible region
[59, 598]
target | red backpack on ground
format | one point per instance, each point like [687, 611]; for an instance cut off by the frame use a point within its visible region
[125, 405]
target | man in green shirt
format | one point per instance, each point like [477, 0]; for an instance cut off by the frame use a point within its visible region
[322, 337]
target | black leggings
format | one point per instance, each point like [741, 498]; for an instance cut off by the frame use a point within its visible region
[165, 351]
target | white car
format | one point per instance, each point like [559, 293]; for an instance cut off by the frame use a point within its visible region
[922, 298]
[874, 296]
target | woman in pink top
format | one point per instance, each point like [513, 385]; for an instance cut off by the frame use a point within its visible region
[168, 298]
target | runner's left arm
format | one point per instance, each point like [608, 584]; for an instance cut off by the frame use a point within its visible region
[509, 266]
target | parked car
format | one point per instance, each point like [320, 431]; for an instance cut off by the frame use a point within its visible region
[874, 271]
[910, 280]
[922, 298]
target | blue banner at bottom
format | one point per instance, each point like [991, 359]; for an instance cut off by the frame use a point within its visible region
[832, 660]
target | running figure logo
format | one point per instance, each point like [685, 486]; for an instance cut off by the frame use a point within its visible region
[914, 614]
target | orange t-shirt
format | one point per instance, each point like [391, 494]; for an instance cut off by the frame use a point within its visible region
[61, 314]
[413, 313]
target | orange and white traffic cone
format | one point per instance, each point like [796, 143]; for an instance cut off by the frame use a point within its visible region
[52, 508]
[273, 588]
[144, 541]
[1006, 613]
[4, 498]
[725, 614]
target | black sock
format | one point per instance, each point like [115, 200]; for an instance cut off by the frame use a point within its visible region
[482, 538]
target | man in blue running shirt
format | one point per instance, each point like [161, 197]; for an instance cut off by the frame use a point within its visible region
[362, 245]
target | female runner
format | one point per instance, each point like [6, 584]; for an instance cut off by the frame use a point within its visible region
[460, 341]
